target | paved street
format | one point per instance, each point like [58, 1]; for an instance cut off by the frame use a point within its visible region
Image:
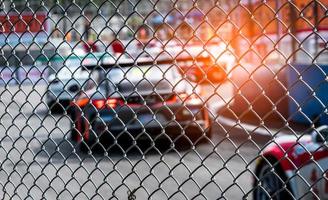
[37, 155]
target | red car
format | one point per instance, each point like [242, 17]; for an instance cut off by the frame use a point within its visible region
[294, 167]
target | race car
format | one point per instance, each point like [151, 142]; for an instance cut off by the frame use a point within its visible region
[138, 100]
[219, 58]
[219, 63]
[294, 167]
[213, 75]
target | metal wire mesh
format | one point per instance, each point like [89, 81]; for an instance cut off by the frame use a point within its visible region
[169, 99]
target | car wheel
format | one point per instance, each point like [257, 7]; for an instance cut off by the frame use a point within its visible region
[270, 183]
[207, 128]
[86, 141]
[75, 125]
[203, 134]
[51, 105]
[199, 135]
[90, 142]
[56, 107]
[209, 132]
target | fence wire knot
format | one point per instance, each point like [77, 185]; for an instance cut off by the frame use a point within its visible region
[131, 194]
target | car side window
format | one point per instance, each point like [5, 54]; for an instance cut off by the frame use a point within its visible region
[324, 134]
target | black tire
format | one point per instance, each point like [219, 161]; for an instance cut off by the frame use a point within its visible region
[270, 183]
[92, 146]
[208, 130]
[93, 142]
[87, 143]
[51, 106]
[196, 135]
[201, 134]
[56, 108]
[75, 132]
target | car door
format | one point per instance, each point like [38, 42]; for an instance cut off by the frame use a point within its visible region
[323, 163]
[312, 174]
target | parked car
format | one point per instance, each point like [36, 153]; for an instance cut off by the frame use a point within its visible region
[294, 168]
[139, 99]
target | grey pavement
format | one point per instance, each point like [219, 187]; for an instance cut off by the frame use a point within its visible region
[39, 160]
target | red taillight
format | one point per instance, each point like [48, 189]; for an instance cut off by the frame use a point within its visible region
[99, 103]
[109, 103]
[82, 102]
[113, 102]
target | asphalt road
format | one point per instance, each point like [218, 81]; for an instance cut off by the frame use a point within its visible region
[39, 160]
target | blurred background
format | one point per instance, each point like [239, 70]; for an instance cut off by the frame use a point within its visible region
[270, 42]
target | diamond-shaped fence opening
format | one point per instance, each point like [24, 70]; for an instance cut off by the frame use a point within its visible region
[169, 99]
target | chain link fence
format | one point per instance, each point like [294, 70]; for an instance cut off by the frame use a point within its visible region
[169, 99]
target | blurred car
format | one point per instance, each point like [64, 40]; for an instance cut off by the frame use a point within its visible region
[212, 74]
[220, 59]
[294, 167]
[142, 100]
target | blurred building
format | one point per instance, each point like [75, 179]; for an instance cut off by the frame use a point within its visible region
[273, 24]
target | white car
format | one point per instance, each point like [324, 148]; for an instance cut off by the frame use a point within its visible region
[293, 167]
[217, 95]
